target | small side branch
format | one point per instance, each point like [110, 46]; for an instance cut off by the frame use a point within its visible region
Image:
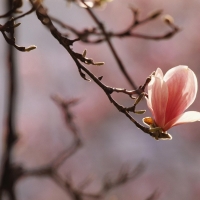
[9, 27]
[107, 39]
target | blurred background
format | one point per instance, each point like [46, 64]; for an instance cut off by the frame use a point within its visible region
[110, 139]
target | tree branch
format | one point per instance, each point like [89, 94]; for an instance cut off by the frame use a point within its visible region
[6, 182]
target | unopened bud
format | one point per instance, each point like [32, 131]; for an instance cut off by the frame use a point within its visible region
[84, 53]
[30, 48]
[16, 25]
[139, 112]
[99, 63]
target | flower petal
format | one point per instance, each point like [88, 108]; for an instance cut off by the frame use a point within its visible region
[159, 73]
[157, 99]
[182, 90]
[187, 117]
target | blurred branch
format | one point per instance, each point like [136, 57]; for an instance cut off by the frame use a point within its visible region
[136, 22]
[153, 196]
[16, 4]
[67, 187]
[123, 176]
[51, 169]
[7, 178]
[76, 143]
[76, 193]
[84, 35]
[24, 14]
[69, 120]
[63, 25]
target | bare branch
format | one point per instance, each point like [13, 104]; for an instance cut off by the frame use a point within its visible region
[16, 4]
[9, 28]
[128, 32]
[107, 38]
[123, 177]
[66, 43]
[8, 178]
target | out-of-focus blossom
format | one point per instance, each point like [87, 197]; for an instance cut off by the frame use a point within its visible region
[100, 3]
[168, 97]
[91, 3]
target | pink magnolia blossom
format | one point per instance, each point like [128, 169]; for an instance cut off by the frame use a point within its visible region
[169, 96]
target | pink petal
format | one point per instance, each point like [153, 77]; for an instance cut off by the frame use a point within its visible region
[158, 96]
[159, 73]
[182, 90]
[187, 117]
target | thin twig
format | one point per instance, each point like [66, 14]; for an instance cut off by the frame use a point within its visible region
[84, 36]
[9, 27]
[13, 8]
[107, 38]
[69, 121]
[24, 14]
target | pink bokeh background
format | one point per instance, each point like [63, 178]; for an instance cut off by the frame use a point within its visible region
[110, 139]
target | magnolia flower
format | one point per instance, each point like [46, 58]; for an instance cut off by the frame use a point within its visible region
[168, 97]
